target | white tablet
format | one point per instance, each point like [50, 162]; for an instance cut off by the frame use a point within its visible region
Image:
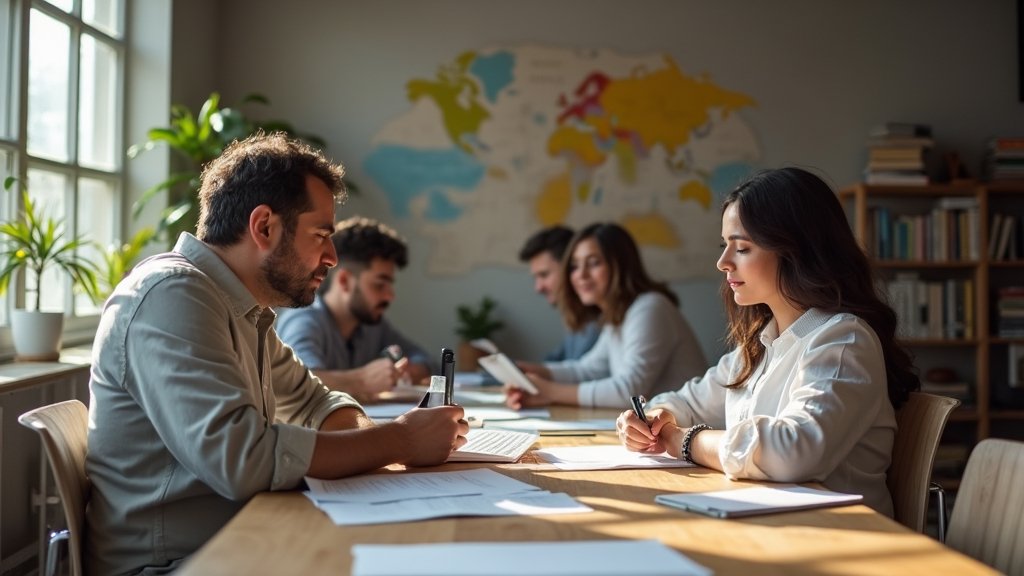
[506, 372]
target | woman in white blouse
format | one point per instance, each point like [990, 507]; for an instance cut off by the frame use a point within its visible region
[645, 346]
[809, 392]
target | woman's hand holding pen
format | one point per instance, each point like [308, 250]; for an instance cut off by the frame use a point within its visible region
[662, 435]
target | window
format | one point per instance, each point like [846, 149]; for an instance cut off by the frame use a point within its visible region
[61, 127]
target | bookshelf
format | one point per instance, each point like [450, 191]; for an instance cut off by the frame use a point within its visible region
[936, 240]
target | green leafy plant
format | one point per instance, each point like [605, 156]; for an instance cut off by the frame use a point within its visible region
[477, 322]
[198, 138]
[118, 260]
[35, 242]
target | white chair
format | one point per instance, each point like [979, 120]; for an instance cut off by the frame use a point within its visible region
[63, 429]
[988, 517]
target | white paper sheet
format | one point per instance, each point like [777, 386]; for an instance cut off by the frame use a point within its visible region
[404, 486]
[541, 425]
[499, 413]
[391, 410]
[579, 558]
[505, 371]
[605, 458]
[525, 504]
[480, 397]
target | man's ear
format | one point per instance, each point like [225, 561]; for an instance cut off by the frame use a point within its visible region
[264, 227]
[345, 279]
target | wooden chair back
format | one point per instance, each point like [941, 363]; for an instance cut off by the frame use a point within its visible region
[63, 429]
[920, 422]
[987, 522]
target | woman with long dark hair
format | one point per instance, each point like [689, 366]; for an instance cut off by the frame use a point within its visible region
[645, 346]
[809, 393]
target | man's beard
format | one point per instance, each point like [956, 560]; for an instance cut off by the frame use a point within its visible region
[283, 274]
[361, 310]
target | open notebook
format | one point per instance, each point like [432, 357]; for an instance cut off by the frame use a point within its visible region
[758, 500]
[493, 446]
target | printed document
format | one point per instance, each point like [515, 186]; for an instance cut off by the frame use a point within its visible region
[493, 446]
[535, 503]
[393, 487]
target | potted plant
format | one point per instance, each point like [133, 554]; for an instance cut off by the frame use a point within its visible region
[34, 243]
[197, 139]
[474, 323]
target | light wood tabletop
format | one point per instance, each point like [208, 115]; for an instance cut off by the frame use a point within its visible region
[284, 533]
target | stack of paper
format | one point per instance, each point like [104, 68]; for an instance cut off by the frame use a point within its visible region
[384, 498]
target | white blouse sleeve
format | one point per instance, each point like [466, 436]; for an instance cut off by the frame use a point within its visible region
[701, 400]
[837, 385]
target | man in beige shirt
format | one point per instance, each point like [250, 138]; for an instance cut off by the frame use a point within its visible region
[196, 405]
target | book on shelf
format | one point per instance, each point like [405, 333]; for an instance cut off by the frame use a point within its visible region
[1010, 312]
[1004, 159]
[1015, 374]
[1005, 246]
[940, 310]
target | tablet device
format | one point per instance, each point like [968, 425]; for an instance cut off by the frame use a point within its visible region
[505, 371]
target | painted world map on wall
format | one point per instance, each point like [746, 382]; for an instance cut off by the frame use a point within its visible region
[506, 140]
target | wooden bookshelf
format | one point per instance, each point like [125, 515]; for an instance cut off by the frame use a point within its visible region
[982, 357]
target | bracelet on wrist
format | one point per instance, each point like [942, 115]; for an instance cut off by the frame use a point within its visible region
[688, 441]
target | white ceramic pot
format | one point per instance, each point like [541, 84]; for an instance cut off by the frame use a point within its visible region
[36, 335]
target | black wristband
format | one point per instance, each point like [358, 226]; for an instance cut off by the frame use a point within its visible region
[688, 441]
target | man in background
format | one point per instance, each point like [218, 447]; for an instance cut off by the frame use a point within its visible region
[343, 337]
[543, 253]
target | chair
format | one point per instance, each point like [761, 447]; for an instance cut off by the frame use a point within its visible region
[920, 422]
[988, 517]
[63, 429]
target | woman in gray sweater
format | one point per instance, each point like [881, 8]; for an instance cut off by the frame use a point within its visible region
[645, 347]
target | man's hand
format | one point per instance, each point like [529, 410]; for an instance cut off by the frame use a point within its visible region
[376, 377]
[433, 433]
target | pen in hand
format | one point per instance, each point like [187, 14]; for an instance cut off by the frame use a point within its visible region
[638, 408]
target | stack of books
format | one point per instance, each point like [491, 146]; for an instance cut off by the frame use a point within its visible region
[897, 153]
[1010, 312]
[1004, 159]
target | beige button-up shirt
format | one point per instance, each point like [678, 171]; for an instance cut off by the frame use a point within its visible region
[196, 406]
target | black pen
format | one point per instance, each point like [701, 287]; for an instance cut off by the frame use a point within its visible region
[448, 371]
[638, 408]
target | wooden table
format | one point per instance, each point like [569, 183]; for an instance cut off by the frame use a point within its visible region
[283, 533]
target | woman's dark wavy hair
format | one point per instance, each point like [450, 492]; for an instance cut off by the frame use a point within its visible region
[627, 277]
[796, 215]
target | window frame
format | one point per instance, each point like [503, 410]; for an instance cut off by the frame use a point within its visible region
[15, 15]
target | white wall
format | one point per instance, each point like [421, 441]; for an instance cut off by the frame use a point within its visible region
[822, 73]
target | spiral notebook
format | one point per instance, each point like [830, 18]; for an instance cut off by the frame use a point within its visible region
[758, 500]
